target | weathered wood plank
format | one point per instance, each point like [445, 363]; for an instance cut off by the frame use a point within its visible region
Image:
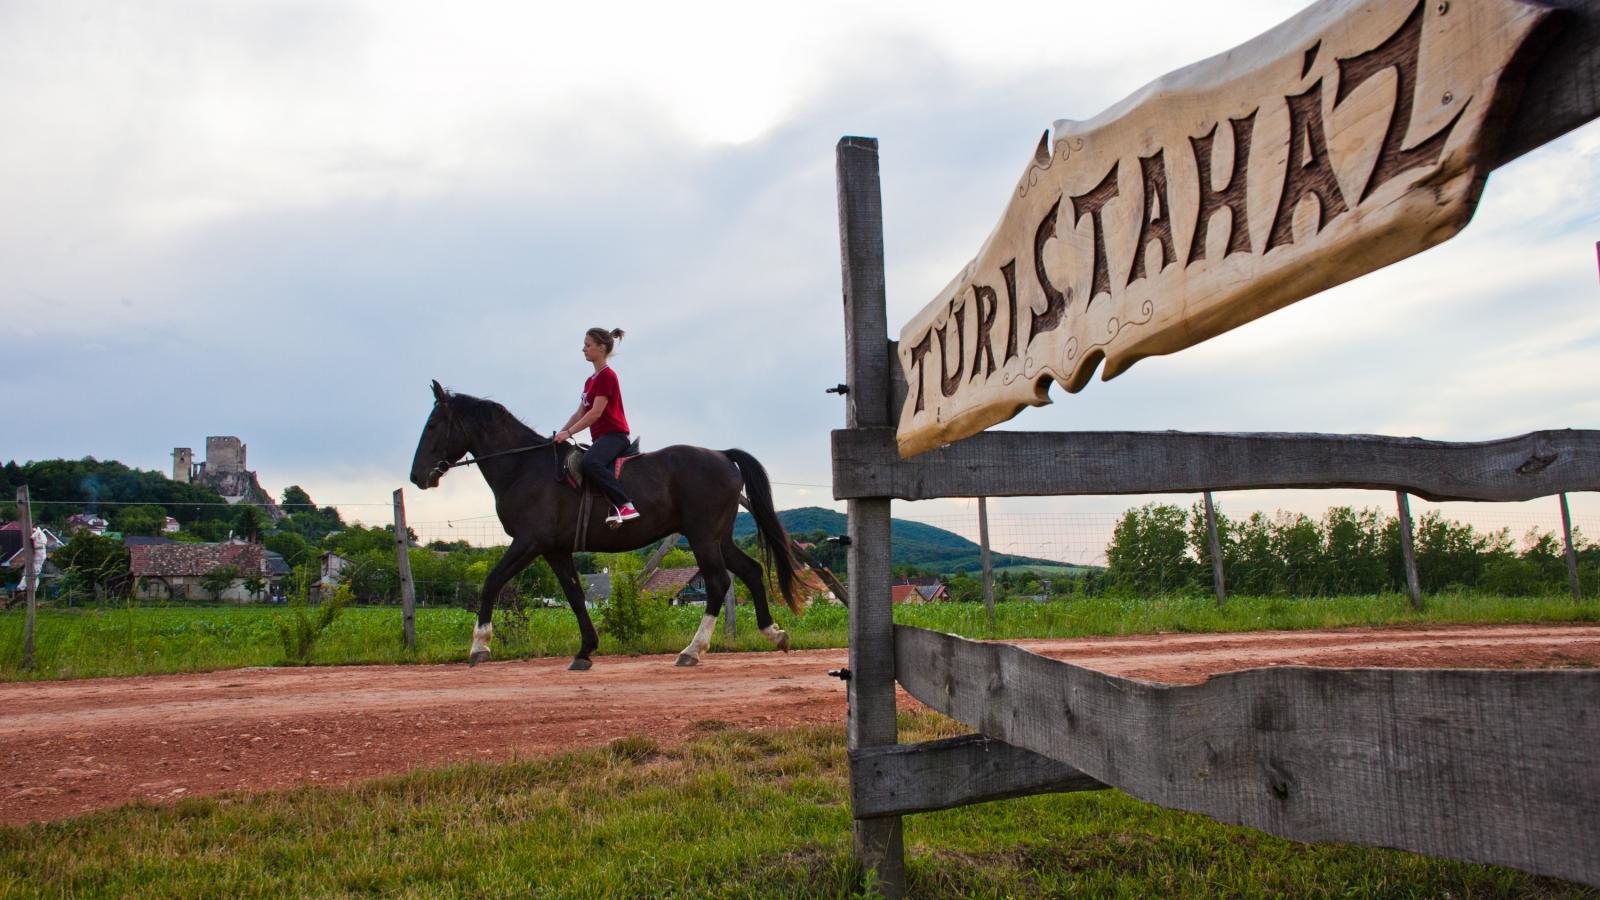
[866, 318]
[25, 517]
[1356, 133]
[408, 592]
[912, 778]
[1018, 463]
[665, 547]
[1562, 86]
[821, 571]
[1486, 766]
[878, 842]
[1572, 556]
[988, 567]
[1408, 555]
[1218, 582]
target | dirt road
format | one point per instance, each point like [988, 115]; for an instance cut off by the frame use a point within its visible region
[68, 747]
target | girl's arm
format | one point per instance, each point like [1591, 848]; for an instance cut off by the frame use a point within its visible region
[582, 423]
[572, 419]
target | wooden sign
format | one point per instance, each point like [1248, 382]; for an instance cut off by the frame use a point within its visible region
[1350, 137]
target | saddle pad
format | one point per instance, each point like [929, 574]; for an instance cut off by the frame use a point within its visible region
[575, 460]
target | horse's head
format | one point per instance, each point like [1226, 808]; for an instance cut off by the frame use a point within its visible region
[443, 442]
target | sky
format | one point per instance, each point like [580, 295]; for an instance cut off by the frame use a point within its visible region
[280, 220]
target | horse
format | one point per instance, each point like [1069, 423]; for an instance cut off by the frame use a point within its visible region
[679, 489]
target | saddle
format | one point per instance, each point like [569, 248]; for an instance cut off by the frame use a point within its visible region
[573, 475]
[573, 472]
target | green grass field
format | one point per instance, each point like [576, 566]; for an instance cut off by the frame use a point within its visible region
[728, 814]
[89, 643]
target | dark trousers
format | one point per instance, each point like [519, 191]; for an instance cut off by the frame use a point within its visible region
[597, 466]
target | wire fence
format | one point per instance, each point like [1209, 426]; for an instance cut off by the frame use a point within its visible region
[1081, 538]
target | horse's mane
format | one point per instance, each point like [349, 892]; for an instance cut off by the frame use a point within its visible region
[484, 415]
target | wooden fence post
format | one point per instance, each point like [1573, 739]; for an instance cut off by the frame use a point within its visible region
[654, 562]
[25, 514]
[988, 569]
[1407, 552]
[1216, 553]
[408, 591]
[1572, 555]
[878, 841]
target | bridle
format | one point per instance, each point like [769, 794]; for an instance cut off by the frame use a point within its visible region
[445, 465]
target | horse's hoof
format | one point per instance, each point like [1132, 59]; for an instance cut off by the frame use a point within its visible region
[783, 642]
[579, 664]
[478, 657]
[685, 659]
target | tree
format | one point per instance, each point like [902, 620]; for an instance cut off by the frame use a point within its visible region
[145, 519]
[1148, 550]
[295, 499]
[100, 562]
[255, 584]
[251, 522]
[305, 519]
[218, 580]
[292, 547]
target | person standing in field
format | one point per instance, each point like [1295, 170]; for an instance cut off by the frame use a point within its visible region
[600, 410]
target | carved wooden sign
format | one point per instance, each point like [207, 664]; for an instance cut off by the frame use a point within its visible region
[1351, 136]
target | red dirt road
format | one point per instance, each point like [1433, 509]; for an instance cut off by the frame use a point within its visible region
[74, 746]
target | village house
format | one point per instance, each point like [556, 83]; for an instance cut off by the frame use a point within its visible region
[86, 522]
[174, 571]
[922, 589]
[333, 566]
[683, 585]
[11, 540]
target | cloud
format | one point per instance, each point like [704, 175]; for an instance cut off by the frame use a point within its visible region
[280, 221]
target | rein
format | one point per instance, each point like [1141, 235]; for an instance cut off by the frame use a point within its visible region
[444, 465]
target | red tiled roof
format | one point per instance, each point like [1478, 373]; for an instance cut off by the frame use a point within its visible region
[669, 580]
[175, 560]
[901, 593]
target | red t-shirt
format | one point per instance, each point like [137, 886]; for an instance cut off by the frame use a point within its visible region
[612, 420]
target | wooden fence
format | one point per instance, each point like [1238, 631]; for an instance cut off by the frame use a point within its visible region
[1487, 766]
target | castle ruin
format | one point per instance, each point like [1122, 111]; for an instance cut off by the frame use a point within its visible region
[223, 470]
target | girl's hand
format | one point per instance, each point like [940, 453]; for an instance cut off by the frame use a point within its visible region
[562, 435]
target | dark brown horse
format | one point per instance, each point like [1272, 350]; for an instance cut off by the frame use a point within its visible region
[678, 490]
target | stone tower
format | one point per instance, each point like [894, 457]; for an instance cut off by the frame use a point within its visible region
[182, 464]
[224, 455]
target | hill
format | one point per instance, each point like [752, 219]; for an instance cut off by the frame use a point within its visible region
[910, 543]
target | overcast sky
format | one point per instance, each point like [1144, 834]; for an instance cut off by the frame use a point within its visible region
[280, 220]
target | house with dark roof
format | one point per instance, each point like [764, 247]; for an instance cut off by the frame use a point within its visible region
[918, 590]
[596, 588]
[683, 585]
[130, 540]
[11, 545]
[173, 571]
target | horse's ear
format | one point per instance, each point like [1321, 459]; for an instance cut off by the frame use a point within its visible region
[438, 391]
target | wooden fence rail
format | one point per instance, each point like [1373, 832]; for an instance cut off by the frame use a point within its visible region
[975, 768]
[1485, 766]
[1021, 463]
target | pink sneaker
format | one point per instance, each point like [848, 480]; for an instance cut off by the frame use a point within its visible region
[625, 514]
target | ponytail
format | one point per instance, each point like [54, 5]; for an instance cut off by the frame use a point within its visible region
[606, 339]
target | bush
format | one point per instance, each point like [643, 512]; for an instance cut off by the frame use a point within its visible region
[300, 631]
[630, 614]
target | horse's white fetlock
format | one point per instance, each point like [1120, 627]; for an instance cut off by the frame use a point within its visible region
[481, 636]
[778, 637]
[702, 640]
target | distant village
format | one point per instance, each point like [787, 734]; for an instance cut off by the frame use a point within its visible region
[225, 559]
[161, 567]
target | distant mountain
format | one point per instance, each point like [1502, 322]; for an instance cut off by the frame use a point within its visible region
[910, 543]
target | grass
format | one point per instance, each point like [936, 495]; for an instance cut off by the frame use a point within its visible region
[727, 814]
[120, 641]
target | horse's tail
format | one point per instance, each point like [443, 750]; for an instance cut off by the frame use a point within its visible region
[773, 536]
